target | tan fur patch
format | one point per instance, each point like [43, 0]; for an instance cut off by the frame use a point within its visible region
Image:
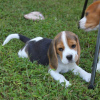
[52, 55]
[60, 45]
[93, 16]
[72, 42]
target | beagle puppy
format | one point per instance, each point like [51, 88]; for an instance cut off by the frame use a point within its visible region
[92, 17]
[61, 54]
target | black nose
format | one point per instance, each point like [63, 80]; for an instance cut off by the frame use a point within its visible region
[69, 57]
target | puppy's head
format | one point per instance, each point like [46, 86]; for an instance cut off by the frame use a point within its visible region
[65, 46]
[92, 17]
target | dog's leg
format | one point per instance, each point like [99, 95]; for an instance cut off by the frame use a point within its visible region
[59, 77]
[98, 64]
[82, 73]
[22, 53]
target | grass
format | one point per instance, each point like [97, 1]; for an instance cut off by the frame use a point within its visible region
[23, 80]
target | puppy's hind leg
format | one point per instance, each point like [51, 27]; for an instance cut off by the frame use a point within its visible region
[22, 53]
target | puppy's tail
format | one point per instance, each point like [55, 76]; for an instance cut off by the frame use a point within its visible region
[15, 36]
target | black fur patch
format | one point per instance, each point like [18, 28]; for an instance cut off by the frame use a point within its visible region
[37, 51]
[23, 38]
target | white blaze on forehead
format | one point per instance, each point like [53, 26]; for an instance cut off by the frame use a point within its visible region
[64, 39]
[67, 50]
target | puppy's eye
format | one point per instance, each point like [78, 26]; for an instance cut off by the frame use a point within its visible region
[60, 49]
[86, 13]
[73, 46]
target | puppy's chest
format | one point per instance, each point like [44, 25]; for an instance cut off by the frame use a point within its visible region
[63, 68]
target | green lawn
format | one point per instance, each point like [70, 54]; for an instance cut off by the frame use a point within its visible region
[23, 80]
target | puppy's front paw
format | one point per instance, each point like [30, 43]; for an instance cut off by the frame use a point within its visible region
[67, 83]
[87, 77]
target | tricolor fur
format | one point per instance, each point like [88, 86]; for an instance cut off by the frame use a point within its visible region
[92, 17]
[61, 54]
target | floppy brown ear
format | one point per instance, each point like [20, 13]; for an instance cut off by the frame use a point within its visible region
[52, 55]
[78, 49]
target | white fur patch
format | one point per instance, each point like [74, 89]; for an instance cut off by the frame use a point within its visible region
[59, 77]
[98, 67]
[82, 23]
[63, 68]
[9, 37]
[22, 53]
[98, 64]
[37, 39]
[82, 73]
[67, 51]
